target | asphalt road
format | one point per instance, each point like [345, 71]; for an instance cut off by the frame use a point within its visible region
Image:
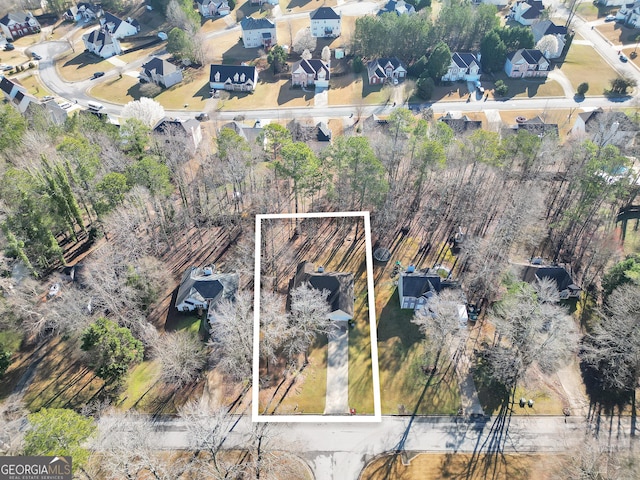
[340, 450]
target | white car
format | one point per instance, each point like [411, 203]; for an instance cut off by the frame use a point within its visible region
[610, 18]
[4, 67]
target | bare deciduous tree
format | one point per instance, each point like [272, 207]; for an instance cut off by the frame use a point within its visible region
[232, 335]
[309, 317]
[531, 329]
[273, 325]
[12, 419]
[182, 357]
[304, 41]
[148, 111]
[613, 348]
[326, 54]
[439, 321]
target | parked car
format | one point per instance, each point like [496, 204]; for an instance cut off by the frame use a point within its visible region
[610, 18]
[9, 46]
[97, 75]
[203, 117]
[623, 58]
[46, 98]
[5, 68]
[36, 56]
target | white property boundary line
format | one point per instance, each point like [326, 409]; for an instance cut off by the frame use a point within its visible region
[255, 414]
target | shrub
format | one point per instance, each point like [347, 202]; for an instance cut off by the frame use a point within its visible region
[582, 88]
[501, 88]
[425, 87]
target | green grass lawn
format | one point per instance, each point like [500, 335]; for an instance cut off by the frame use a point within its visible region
[10, 340]
[401, 357]
[581, 62]
[140, 381]
[589, 11]
[190, 323]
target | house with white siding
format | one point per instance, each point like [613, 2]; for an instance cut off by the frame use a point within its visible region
[464, 66]
[258, 33]
[325, 22]
[525, 63]
[235, 78]
[102, 43]
[161, 72]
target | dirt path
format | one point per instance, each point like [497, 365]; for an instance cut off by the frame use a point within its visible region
[572, 385]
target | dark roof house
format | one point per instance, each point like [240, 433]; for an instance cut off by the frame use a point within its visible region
[566, 287]
[461, 124]
[203, 288]
[339, 285]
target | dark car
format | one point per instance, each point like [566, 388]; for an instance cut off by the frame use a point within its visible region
[9, 46]
[98, 75]
[203, 117]
[36, 56]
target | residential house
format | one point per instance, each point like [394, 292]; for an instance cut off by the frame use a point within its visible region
[324, 132]
[252, 135]
[536, 126]
[526, 12]
[202, 288]
[310, 72]
[161, 72]
[567, 289]
[258, 32]
[262, 2]
[630, 14]
[213, 8]
[51, 110]
[417, 288]
[237, 78]
[340, 286]
[102, 43]
[546, 27]
[461, 123]
[604, 128]
[18, 24]
[83, 12]
[119, 28]
[385, 70]
[464, 66]
[613, 3]
[325, 22]
[526, 63]
[188, 130]
[399, 7]
[16, 94]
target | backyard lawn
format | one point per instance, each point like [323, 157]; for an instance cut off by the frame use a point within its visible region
[581, 62]
[33, 85]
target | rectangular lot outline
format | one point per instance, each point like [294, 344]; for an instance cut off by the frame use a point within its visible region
[316, 418]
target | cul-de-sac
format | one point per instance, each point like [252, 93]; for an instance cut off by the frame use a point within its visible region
[319, 239]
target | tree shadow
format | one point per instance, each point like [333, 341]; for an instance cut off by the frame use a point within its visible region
[287, 94]
[238, 54]
[297, 3]
[134, 91]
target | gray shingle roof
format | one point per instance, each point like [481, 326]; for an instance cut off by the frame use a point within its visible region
[228, 73]
[161, 67]
[18, 17]
[339, 285]
[324, 13]
[212, 288]
[250, 23]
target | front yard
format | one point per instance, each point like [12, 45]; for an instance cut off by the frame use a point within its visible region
[581, 63]
[354, 88]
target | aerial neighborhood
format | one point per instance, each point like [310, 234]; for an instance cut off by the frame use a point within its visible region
[320, 240]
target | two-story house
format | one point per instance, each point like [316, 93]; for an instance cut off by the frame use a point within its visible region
[526, 12]
[544, 28]
[310, 72]
[606, 128]
[258, 32]
[213, 8]
[526, 63]
[83, 12]
[238, 78]
[161, 72]
[325, 22]
[102, 43]
[464, 66]
[16, 94]
[630, 14]
[119, 28]
[18, 24]
[188, 132]
[384, 70]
